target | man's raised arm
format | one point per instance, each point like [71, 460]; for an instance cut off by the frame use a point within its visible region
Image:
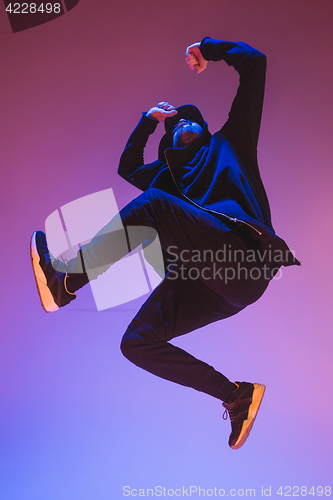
[244, 120]
[131, 166]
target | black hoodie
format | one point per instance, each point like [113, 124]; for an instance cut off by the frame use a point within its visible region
[219, 173]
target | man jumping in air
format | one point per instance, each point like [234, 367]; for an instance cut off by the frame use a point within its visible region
[205, 199]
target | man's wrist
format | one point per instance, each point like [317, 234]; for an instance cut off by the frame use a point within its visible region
[150, 116]
[204, 53]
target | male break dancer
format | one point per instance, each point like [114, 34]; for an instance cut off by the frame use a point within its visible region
[205, 198]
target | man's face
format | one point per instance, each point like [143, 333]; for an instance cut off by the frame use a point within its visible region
[185, 132]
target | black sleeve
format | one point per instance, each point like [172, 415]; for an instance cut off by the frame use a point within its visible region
[244, 120]
[131, 164]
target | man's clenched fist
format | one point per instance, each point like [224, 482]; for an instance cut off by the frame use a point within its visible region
[194, 58]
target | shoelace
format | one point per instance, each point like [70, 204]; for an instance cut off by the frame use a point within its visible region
[58, 265]
[65, 261]
[229, 408]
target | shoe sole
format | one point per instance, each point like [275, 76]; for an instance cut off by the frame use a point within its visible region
[44, 292]
[258, 394]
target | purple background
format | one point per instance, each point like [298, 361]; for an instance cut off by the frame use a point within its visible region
[78, 421]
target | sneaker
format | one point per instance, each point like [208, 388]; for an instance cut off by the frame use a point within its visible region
[50, 275]
[242, 406]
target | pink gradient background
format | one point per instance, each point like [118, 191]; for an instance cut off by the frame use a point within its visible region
[77, 420]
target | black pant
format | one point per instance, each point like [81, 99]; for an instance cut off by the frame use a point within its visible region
[213, 274]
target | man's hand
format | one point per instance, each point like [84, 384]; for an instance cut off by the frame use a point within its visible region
[194, 58]
[162, 111]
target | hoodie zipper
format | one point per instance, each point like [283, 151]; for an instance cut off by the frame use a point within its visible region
[233, 219]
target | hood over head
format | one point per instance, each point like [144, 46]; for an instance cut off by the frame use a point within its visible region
[188, 112]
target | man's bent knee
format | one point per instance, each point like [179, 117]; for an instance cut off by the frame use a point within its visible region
[132, 349]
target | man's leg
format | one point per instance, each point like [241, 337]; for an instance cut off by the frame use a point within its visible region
[177, 306]
[180, 226]
[195, 238]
